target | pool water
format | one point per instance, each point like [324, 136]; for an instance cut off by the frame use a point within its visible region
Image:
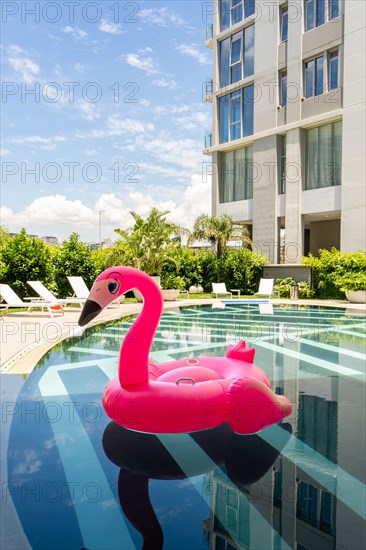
[77, 480]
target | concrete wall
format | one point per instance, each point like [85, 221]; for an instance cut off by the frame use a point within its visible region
[265, 186]
[353, 227]
[293, 221]
[324, 235]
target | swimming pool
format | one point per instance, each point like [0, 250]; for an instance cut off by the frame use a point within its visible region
[78, 480]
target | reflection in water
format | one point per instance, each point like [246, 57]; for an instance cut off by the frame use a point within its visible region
[143, 456]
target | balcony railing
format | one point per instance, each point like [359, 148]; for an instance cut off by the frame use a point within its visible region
[208, 90]
[209, 35]
[208, 140]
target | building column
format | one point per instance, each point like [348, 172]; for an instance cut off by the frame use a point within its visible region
[265, 196]
[293, 223]
[353, 224]
[215, 184]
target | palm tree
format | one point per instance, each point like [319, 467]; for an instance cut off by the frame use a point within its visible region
[150, 240]
[218, 230]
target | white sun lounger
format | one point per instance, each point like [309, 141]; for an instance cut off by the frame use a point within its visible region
[47, 296]
[12, 300]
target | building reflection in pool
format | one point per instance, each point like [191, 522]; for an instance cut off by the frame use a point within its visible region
[242, 460]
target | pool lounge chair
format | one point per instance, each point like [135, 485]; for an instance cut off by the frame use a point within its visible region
[81, 290]
[47, 296]
[12, 300]
[220, 289]
[266, 288]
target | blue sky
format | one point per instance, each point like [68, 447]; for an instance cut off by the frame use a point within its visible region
[116, 121]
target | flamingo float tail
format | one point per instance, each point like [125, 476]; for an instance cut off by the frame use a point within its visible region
[251, 406]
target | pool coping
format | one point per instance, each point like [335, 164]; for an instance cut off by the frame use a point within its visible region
[25, 357]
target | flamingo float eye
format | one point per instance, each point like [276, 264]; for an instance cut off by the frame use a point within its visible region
[113, 286]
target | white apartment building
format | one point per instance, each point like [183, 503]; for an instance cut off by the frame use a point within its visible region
[288, 136]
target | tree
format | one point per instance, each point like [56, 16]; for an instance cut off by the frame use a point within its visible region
[218, 230]
[25, 258]
[74, 259]
[148, 244]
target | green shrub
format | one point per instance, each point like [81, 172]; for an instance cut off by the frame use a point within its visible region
[352, 282]
[242, 269]
[171, 281]
[25, 258]
[283, 286]
[73, 259]
[330, 267]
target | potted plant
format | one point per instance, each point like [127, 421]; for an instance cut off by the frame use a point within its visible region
[171, 286]
[354, 286]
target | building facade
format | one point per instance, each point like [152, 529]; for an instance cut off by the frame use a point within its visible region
[288, 137]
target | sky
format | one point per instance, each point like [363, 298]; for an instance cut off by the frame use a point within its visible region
[103, 111]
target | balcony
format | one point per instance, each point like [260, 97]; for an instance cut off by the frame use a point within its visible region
[209, 36]
[208, 140]
[208, 90]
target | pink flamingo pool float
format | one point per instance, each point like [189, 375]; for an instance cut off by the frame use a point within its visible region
[185, 395]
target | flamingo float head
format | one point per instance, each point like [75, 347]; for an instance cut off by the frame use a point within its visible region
[110, 285]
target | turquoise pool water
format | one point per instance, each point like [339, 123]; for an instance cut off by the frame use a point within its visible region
[78, 480]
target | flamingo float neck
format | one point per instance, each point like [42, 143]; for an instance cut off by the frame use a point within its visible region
[135, 349]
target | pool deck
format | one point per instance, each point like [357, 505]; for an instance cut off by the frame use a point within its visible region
[25, 338]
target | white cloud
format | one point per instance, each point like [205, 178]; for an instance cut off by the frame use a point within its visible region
[164, 83]
[4, 152]
[185, 153]
[90, 152]
[87, 110]
[22, 64]
[79, 67]
[110, 28]
[75, 32]
[146, 64]
[193, 51]
[118, 126]
[57, 214]
[52, 209]
[161, 17]
[39, 140]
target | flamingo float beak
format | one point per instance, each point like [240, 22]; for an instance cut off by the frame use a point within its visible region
[90, 310]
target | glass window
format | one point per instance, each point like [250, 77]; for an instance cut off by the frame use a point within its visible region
[333, 8]
[236, 57]
[283, 89]
[320, 12]
[315, 12]
[323, 158]
[225, 14]
[333, 70]
[284, 24]
[224, 118]
[236, 181]
[319, 75]
[314, 77]
[235, 115]
[236, 11]
[232, 52]
[310, 78]
[249, 8]
[236, 112]
[283, 166]
[309, 14]
[249, 51]
[225, 62]
[248, 110]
